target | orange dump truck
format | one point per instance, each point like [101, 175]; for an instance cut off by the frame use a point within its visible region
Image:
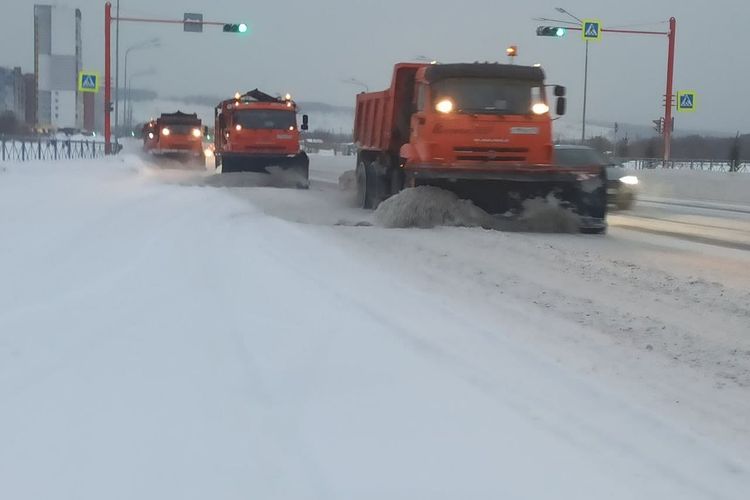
[482, 131]
[177, 135]
[256, 132]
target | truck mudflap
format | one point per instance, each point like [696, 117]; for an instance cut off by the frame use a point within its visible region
[502, 191]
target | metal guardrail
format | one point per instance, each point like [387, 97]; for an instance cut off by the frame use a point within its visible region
[704, 165]
[46, 148]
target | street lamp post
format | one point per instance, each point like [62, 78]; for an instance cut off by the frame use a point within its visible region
[148, 44]
[585, 73]
[128, 92]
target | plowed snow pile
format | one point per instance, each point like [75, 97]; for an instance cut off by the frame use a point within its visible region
[427, 206]
[543, 216]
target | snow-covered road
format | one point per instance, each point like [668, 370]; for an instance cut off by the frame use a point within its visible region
[167, 334]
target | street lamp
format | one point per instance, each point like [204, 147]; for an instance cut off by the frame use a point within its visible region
[425, 59]
[358, 83]
[128, 89]
[585, 73]
[146, 44]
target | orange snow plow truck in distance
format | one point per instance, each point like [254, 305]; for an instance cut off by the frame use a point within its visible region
[175, 135]
[256, 132]
[482, 131]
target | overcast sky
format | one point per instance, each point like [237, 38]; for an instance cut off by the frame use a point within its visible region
[308, 47]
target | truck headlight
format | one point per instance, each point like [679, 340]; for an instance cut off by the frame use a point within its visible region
[238, 127]
[540, 108]
[197, 132]
[630, 180]
[444, 106]
[165, 131]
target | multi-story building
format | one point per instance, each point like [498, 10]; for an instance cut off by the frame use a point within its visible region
[57, 62]
[13, 93]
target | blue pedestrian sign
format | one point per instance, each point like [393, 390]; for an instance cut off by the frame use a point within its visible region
[88, 81]
[591, 29]
[686, 101]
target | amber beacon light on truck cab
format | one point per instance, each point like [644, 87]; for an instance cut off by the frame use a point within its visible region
[481, 130]
[256, 132]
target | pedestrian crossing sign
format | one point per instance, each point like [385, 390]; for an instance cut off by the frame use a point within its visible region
[591, 29]
[686, 100]
[88, 81]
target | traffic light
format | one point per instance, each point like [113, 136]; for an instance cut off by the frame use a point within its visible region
[235, 28]
[659, 125]
[557, 31]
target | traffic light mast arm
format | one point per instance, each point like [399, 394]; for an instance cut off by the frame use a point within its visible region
[167, 21]
[628, 32]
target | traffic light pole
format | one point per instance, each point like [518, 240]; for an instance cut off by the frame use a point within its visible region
[671, 35]
[670, 90]
[108, 62]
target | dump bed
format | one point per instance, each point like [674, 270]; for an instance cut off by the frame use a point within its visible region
[382, 118]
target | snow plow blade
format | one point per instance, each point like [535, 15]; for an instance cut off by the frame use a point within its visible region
[297, 167]
[503, 191]
[261, 163]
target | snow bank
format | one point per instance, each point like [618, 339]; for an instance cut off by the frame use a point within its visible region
[427, 206]
[698, 185]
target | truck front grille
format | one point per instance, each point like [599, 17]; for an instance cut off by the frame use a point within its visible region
[474, 153]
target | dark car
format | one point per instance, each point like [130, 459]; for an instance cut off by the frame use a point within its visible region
[621, 185]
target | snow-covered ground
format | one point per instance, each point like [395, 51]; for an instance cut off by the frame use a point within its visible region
[174, 334]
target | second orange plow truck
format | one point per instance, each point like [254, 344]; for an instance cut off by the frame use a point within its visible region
[480, 130]
[256, 132]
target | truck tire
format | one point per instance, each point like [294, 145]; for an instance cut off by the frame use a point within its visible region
[363, 174]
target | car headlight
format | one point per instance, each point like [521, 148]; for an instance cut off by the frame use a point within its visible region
[197, 132]
[444, 106]
[165, 131]
[150, 135]
[630, 180]
[540, 108]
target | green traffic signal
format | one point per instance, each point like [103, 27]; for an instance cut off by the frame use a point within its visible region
[557, 31]
[235, 28]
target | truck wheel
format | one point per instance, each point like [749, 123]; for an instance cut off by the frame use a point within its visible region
[364, 196]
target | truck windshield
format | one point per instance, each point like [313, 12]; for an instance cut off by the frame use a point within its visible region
[489, 95]
[266, 119]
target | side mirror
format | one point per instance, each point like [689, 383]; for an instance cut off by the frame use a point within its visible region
[305, 122]
[559, 91]
[561, 106]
